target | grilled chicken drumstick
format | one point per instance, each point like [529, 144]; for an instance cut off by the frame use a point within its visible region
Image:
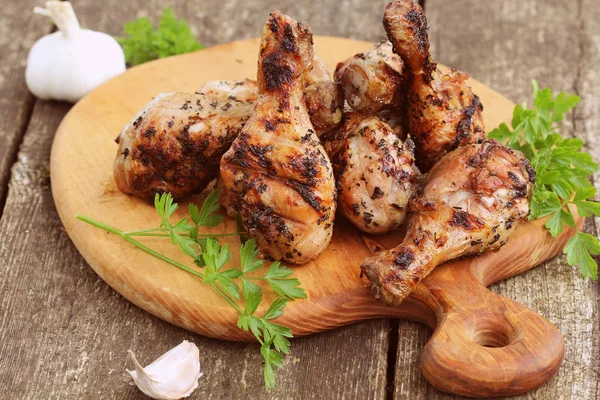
[324, 98]
[373, 170]
[470, 202]
[443, 113]
[176, 142]
[276, 174]
[371, 80]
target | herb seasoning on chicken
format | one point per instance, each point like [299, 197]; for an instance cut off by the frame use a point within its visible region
[176, 142]
[276, 174]
[470, 202]
[373, 170]
[443, 113]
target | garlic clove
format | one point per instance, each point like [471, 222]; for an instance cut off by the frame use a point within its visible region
[69, 63]
[173, 375]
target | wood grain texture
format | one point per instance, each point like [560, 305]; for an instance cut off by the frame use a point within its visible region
[64, 333]
[506, 44]
[19, 29]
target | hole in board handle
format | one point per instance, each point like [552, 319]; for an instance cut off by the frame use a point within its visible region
[493, 339]
[494, 333]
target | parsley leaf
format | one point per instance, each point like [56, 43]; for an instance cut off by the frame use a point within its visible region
[164, 205]
[562, 170]
[272, 359]
[276, 309]
[216, 255]
[249, 257]
[578, 250]
[277, 276]
[144, 43]
[208, 215]
[208, 253]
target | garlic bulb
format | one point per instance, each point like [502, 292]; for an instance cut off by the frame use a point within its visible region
[173, 375]
[67, 64]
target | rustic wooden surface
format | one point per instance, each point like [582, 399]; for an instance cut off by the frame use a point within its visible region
[64, 333]
[18, 32]
[470, 316]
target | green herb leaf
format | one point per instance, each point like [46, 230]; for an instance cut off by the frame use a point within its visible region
[215, 256]
[288, 288]
[164, 205]
[272, 359]
[278, 271]
[137, 46]
[208, 215]
[501, 133]
[233, 283]
[562, 170]
[228, 286]
[249, 257]
[144, 43]
[587, 208]
[256, 327]
[578, 251]
[249, 288]
[253, 299]
[193, 210]
[276, 309]
[281, 344]
[187, 245]
[183, 225]
[232, 273]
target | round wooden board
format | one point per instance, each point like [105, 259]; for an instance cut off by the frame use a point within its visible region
[82, 182]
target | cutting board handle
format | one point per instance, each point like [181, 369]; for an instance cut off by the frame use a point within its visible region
[486, 345]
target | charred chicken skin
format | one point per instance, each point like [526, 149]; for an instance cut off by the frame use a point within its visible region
[470, 202]
[373, 170]
[324, 98]
[395, 118]
[371, 80]
[443, 113]
[176, 142]
[276, 175]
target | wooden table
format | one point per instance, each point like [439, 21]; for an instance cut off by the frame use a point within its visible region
[64, 333]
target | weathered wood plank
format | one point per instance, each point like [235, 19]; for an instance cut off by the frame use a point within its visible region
[586, 126]
[64, 333]
[506, 44]
[409, 382]
[19, 29]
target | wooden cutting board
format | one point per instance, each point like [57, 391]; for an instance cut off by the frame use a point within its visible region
[483, 344]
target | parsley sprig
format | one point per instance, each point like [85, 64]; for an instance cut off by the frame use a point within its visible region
[236, 285]
[562, 170]
[144, 43]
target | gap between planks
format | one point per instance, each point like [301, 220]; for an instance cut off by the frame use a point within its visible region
[14, 152]
[22, 129]
[27, 112]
